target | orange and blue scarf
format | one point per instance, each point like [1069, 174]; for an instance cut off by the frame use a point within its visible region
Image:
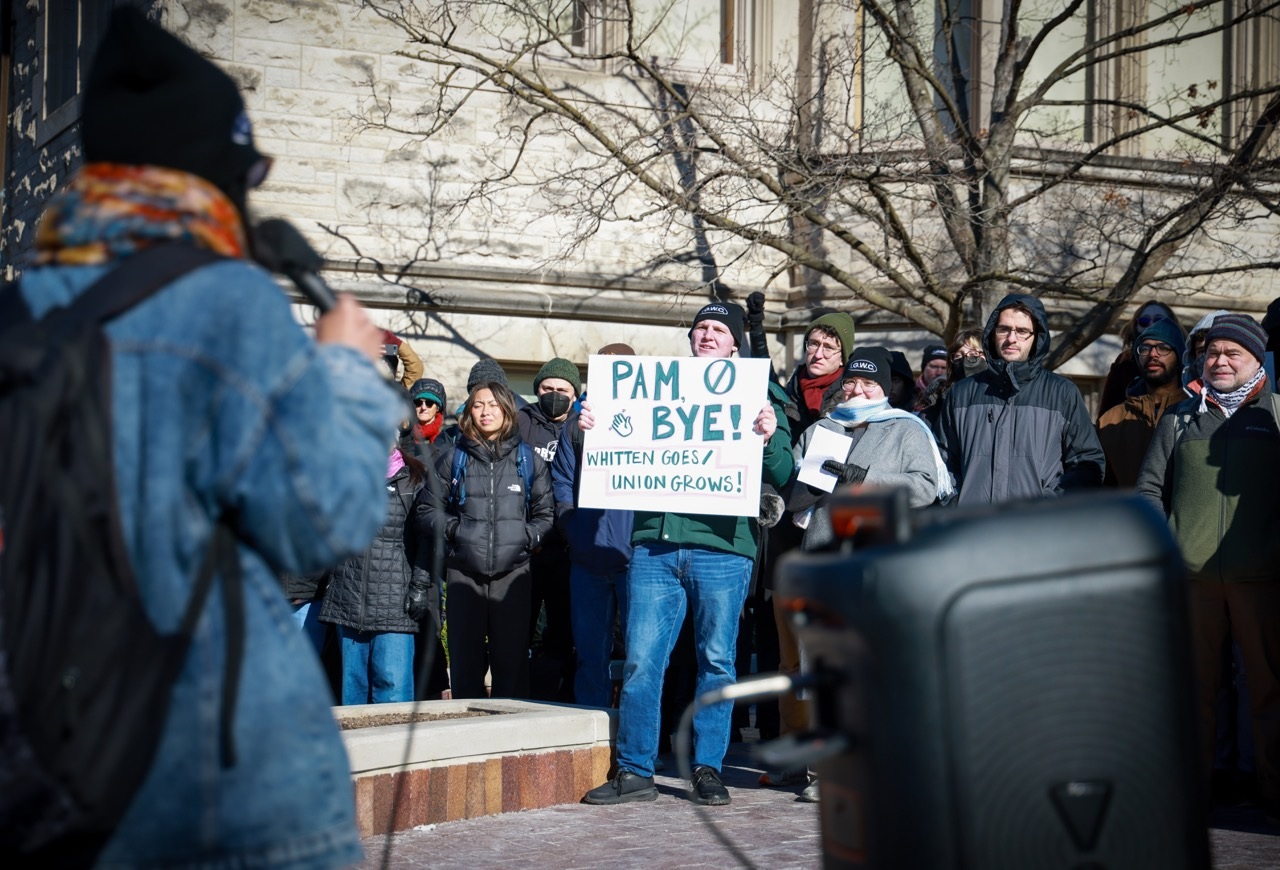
[111, 210]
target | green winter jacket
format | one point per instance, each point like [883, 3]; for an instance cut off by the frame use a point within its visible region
[730, 534]
[1217, 479]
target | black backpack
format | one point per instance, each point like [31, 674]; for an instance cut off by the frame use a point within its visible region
[85, 678]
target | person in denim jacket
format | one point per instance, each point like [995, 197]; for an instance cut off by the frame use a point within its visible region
[222, 406]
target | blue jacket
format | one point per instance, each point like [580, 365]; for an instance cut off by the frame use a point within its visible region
[599, 540]
[221, 403]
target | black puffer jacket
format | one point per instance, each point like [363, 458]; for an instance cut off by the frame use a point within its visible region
[366, 592]
[491, 532]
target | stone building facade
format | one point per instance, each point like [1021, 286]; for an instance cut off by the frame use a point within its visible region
[371, 196]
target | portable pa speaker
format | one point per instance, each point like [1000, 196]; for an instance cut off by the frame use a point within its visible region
[1016, 682]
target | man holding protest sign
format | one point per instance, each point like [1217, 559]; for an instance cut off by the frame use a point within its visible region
[691, 446]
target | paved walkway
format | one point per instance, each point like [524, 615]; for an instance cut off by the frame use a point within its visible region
[770, 829]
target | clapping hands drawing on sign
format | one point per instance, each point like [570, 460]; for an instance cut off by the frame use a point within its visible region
[622, 424]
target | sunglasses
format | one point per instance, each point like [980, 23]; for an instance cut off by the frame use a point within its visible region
[1147, 319]
[422, 403]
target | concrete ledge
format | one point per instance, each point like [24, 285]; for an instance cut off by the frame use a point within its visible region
[526, 756]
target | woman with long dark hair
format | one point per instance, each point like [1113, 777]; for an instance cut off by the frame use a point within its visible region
[496, 510]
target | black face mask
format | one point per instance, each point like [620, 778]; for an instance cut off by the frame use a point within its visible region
[971, 365]
[554, 405]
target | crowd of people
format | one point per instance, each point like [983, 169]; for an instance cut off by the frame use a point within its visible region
[462, 540]
[685, 600]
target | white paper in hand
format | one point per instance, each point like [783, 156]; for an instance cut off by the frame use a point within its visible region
[825, 444]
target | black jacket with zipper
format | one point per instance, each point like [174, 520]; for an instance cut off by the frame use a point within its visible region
[366, 592]
[497, 526]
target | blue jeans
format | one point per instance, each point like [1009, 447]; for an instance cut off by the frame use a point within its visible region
[377, 666]
[307, 615]
[595, 599]
[663, 583]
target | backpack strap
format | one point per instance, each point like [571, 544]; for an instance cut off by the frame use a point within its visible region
[524, 465]
[222, 557]
[129, 283]
[457, 478]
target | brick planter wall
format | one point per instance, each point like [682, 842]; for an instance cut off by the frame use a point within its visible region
[525, 756]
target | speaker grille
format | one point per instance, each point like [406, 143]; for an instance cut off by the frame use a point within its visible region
[1064, 686]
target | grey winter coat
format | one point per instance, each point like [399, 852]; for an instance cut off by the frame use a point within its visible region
[895, 452]
[366, 592]
[497, 527]
[1016, 430]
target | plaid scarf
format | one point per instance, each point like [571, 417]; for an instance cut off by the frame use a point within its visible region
[111, 210]
[1231, 402]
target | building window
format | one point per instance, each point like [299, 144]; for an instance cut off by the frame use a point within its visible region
[1120, 83]
[694, 34]
[1250, 61]
[70, 30]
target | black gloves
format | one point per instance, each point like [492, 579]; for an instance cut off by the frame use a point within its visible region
[846, 471]
[755, 310]
[417, 601]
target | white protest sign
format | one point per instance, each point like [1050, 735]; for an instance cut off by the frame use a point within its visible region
[674, 434]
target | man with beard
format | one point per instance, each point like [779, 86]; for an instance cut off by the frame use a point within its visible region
[1125, 431]
[557, 385]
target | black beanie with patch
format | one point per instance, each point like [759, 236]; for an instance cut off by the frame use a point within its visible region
[871, 363]
[150, 99]
[728, 313]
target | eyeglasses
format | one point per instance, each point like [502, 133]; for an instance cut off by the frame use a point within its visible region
[422, 403]
[819, 347]
[1147, 319]
[1158, 349]
[1020, 331]
[967, 353]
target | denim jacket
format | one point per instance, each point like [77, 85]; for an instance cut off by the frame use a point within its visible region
[221, 403]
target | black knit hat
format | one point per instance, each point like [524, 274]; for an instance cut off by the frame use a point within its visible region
[728, 313]
[1243, 330]
[871, 363]
[899, 366]
[486, 371]
[149, 99]
[932, 352]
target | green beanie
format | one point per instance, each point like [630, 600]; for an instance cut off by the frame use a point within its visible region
[559, 368]
[842, 324]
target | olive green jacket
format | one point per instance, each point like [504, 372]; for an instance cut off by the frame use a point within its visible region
[1217, 479]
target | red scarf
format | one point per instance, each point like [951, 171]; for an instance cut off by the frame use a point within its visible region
[430, 431]
[813, 389]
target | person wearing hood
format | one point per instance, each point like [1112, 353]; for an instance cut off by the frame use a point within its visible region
[1125, 374]
[1125, 431]
[1017, 430]
[902, 384]
[557, 386]
[1213, 468]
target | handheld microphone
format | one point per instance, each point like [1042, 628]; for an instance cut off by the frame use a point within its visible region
[279, 247]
